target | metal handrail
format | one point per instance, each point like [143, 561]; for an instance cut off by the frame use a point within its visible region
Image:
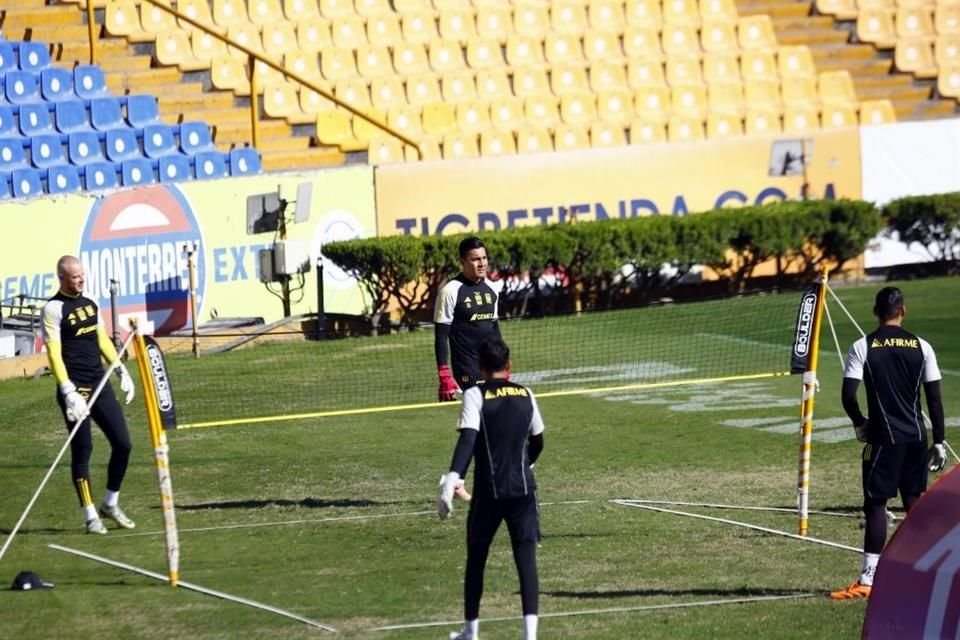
[252, 58]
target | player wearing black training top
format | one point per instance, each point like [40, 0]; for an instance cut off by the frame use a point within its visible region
[75, 341]
[501, 429]
[893, 364]
[465, 316]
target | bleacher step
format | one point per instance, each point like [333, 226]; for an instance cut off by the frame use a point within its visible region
[774, 8]
[305, 159]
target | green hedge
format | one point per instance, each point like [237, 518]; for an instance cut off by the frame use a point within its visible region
[931, 221]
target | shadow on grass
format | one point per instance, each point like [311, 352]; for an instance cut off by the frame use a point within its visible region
[740, 592]
[307, 503]
[26, 531]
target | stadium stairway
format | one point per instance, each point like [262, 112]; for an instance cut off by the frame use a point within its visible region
[833, 45]
[130, 68]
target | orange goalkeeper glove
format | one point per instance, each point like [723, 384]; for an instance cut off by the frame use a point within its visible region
[448, 386]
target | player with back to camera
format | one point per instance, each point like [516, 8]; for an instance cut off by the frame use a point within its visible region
[501, 429]
[892, 362]
[465, 316]
[75, 340]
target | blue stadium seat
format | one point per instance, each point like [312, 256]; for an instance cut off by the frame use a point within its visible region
[175, 168]
[210, 164]
[244, 161]
[46, 150]
[8, 59]
[21, 87]
[89, 81]
[11, 155]
[137, 171]
[84, 148]
[100, 175]
[106, 114]
[34, 56]
[64, 178]
[71, 116]
[56, 84]
[26, 183]
[158, 140]
[142, 111]
[5, 186]
[195, 137]
[121, 144]
[35, 119]
[8, 123]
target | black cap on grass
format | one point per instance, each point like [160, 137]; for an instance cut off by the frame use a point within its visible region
[29, 581]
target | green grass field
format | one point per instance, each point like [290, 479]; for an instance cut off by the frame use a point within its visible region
[333, 519]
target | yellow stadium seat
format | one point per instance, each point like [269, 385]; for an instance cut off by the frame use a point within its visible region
[877, 112]
[372, 8]
[353, 92]
[725, 98]
[387, 92]
[568, 78]
[445, 56]
[531, 20]
[530, 81]
[836, 88]
[263, 12]
[568, 17]
[839, 116]
[762, 94]
[296, 10]
[876, 26]
[642, 43]
[607, 75]
[312, 102]
[406, 120]
[948, 80]
[313, 35]
[946, 18]
[946, 50]
[334, 127]
[494, 22]
[542, 111]
[227, 13]
[721, 68]
[681, 12]
[800, 120]
[173, 49]
[689, 101]
[337, 64]
[458, 86]
[718, 37]
[348, 31]
[643, 73]
[756, 32]
[719, 11]
[439, 118]
[644, 13]
[385, 149]
[122, 18]
[279, 38]
[684, 129]
[281, 100]
[799, 93]
[758, 65]
[578, 108]
[458, 145]
[796, 61]
[680, 40]
[533, 140]
[418, 27]
[364, 131]
[230, 73]
[497, 143]
[842, 9]
[683, 71]
[652, 104]
[303, 64]
[914, 22]
[473, 117]
[492, 84]
[423, 89]
[602, 46]
[483, 53]
[410, 58]
[197, 10]
[606, 15]
[333, 9]
[644, 132]
[428, 147]
[762, 121]
[562, 48]
[384, 30]
[206, 47]
[615, 106]
[606, 134]
[245, 34]
[506, 114]
[569, 137]
[456, 24]
[915, 55]
[723, 125]
[155, 20]
[522, 51]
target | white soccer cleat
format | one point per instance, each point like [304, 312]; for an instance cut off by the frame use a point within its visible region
[462, 635]
[116, 514]
[95, 525]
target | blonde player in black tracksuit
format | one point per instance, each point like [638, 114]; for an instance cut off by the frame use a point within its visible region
[501, 429]
[75, 341]
[893, 364]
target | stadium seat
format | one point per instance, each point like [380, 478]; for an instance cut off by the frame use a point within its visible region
[337, 64]
[372, 8]
[473, 117]
[89, 81]
[836, 88]
[227, 13]
[760, 120]
[159, 140]
[605, 134]
[198, 10]
[758, 65]
[578, 108]
[137, 171]
[155, 20]
[71, 116]
[384, 150]
[561, 48]
[457, 144]
[438, 118]
[683, 129]
[280, 100]
[333, 9]
[456, 24]
[313, 35]
[365, 131]
[247, 35]
[531, 20]
[680, 40]
[8, 59]
[642, 43]
[718, 37]
[721, 68]
[800, 93]
[195, 137]
[493, 22]
[683, 71]
[353, 92]
[946, 50]
[916, 56]
[681, 12]
[492, 84]
[652, 104]
[33, 56]
[26, 183]
[946, 18]
[99, 175]
[387, 92]
[56, 84]
[877, 112]
[11, 154]
[497, 143]
[406, 120]
[914, 22]
[483, 53]
[841, 9]
[21, 87]
[428, 148]
[615, 106]
[348, 31]
[876, 26]
[606, 15]
[173, 49]
[763, 95]
[445, 56]
[174, 168]
[796, 61]
[689, 101]
[295, 10]
[607, 75]
[643, 74]
[542, 111]
[244, 161]
[800, 120]
[644, 13]
[568, 137]
[384, 30]
[373, 61]
[122, 18]
[265, 12]
[423, 89]
[523, 51]
[8, 123]
[35, 119]
[63, 178]
[533, 140]
[142, 110]
[723, 125]
[834, 116]
[418, 27]
[602, 46]
[84, 148]
[568, 17]
[46, 150]
[312, 102]
[121, 144]
[210, 164]
[568, 78]
[724, 11]
[460, 86]
[279, 38]
[725, 99]
[756, 33]
[506, 114]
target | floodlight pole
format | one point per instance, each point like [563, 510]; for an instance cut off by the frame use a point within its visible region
[284, 278]
[321, 316]
[191, 267]
[806, 411]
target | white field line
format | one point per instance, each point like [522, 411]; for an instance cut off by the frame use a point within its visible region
[589, 612]
[794, 536]
[740, 507]
[744, 341]
[193, 587]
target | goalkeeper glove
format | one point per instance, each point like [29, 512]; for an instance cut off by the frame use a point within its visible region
[448, 386]
[937, 457]
[126, 384]
[76, 404]
[449, 483]
[862, 430]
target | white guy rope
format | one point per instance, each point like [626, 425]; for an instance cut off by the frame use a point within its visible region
[737, 507]
[627, 503]
[833, 331]
[839, 302]
[63, 449]
[193, 587]
[589, 612]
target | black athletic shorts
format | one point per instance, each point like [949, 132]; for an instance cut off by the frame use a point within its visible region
[888, 468]
[486, 514]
